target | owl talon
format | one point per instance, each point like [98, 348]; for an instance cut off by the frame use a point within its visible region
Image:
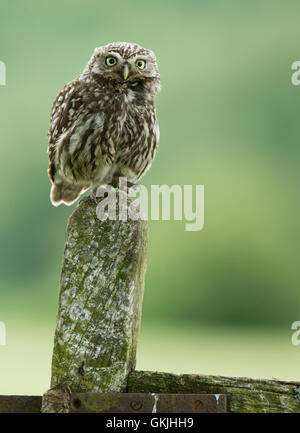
[132, 185]
[123, 187]
[93, 198]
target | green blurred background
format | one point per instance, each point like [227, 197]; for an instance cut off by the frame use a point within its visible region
[218, 301]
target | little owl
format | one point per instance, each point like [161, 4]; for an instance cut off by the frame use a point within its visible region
[103, 124]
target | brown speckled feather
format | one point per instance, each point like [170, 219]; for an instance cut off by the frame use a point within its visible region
[103, 123]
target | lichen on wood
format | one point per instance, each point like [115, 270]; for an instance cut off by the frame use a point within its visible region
[243, 394]
[100, 301]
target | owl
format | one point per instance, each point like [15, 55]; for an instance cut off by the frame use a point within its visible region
[103, 124]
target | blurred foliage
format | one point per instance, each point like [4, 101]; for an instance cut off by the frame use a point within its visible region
[229, 119]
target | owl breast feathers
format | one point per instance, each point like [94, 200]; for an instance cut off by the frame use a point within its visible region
[103, 124]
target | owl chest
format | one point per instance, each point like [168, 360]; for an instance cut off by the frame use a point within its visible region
[138, 120]
[127, 120]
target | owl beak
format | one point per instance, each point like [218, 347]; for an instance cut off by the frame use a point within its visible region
[125, 71]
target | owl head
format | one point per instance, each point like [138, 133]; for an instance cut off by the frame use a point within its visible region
[125, 63]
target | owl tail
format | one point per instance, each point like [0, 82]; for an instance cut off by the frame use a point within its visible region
[65, 193]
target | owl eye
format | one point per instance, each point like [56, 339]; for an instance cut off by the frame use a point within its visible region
[141, 64]
[111, 61]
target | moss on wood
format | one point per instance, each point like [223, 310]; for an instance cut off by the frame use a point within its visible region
[243, 394]
[100, 301]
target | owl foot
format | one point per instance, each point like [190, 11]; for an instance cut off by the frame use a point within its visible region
[123, 186]
[131, 185]
[93, 198]
[98, 193]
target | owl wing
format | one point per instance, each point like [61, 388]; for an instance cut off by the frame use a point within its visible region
[66, 108]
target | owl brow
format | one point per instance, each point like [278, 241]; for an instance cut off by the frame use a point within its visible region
[114, 52]
[140, 56]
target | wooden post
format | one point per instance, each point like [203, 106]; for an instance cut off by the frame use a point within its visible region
[100, 301]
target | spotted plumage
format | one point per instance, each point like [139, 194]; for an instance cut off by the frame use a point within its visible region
[103, 124]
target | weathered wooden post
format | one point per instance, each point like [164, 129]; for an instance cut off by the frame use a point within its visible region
[100, 301]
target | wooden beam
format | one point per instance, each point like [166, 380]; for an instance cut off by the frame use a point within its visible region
[243, 394]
